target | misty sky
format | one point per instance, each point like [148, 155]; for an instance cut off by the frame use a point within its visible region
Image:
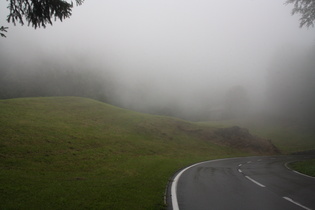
[170, 48]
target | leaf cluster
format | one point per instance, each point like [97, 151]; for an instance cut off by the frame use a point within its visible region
[3, 29]
[306, 8]
[39, 12]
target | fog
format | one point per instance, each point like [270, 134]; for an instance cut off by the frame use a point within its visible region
[198, 60]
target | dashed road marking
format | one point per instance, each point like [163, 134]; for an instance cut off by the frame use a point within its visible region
[261, 185]
[296, 203]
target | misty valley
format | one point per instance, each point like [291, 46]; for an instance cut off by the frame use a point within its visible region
[287, 93]
[106, 101]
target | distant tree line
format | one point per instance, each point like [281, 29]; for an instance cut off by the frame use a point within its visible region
[48, 77]
[51, 83]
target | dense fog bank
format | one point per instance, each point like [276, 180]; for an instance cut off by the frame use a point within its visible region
[205, 60]
[286, 90]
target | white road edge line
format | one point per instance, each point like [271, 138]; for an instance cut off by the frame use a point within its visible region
[287, 166]
[175, 181]
[303, 174]
[261, 185]
[296, 203]
[174, 186]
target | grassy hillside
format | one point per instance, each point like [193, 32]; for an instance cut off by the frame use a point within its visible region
[77, 153]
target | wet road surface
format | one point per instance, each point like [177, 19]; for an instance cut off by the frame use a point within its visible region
[247, 183]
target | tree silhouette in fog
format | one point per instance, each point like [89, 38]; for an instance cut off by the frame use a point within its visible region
[306, 8]
[38, 13]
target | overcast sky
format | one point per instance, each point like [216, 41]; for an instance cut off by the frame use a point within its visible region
[173, 47]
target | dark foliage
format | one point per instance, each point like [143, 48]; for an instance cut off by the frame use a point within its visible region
[306, 8]
[2, 30]
[38, 13]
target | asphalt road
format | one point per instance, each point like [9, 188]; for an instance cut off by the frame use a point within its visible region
[250, 183]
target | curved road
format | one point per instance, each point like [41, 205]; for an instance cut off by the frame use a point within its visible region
[250, 183]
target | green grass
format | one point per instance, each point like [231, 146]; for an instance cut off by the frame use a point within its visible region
[77, 153]
[306, 167]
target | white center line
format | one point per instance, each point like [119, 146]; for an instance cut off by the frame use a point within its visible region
[296, 203]
[239, 170]
[261, 185]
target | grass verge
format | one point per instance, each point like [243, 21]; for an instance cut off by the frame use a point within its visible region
[305, 167]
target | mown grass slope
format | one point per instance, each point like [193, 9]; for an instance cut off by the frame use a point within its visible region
[77, 153]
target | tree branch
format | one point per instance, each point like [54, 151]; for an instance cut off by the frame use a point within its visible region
[306, 8]
[38, 13]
